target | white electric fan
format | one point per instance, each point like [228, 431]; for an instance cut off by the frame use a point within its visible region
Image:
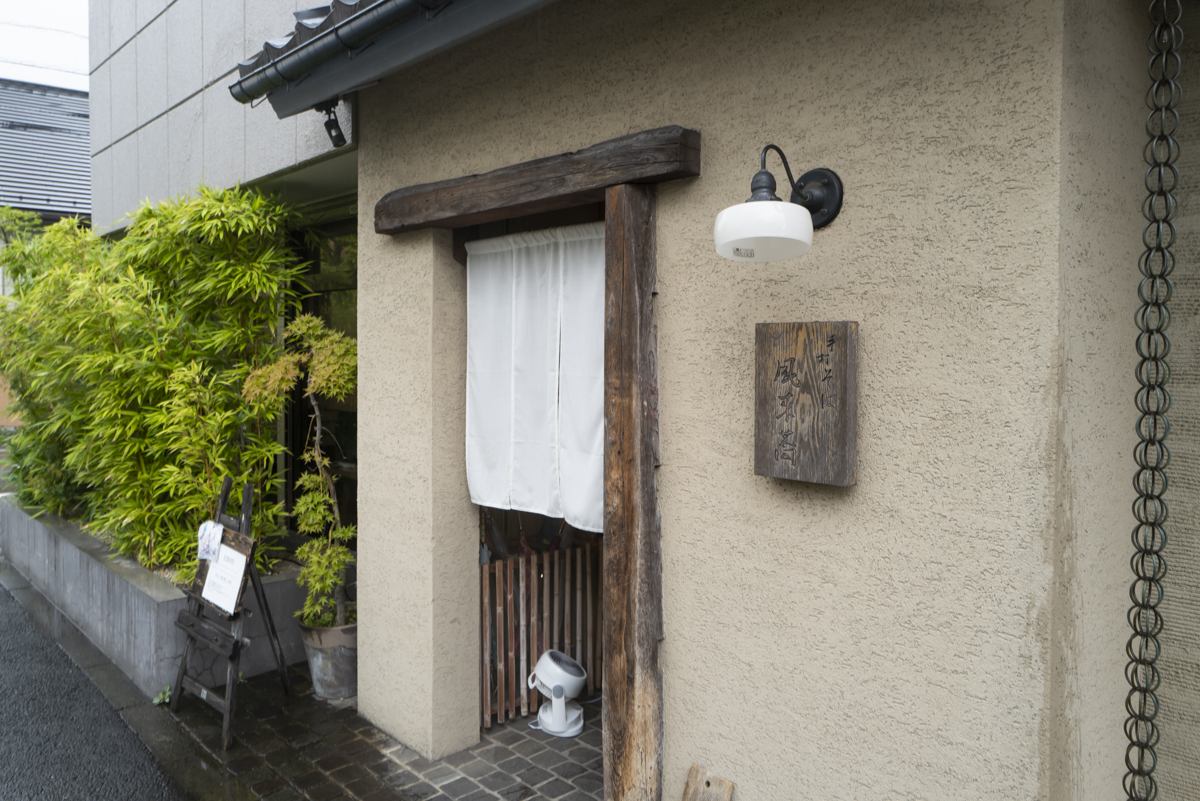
[560, 678]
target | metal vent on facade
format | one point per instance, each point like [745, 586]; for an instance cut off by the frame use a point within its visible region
[45, 166]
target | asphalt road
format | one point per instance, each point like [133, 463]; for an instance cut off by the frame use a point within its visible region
[60, 738]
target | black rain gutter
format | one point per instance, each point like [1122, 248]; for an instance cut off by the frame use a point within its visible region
[345, 36]
[295, 87]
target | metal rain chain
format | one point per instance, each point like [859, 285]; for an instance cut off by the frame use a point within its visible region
[1153, 400]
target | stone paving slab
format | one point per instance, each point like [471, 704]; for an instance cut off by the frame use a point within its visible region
[512, 762]
[304, 748]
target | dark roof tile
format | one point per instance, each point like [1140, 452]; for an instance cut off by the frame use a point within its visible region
[310, 24]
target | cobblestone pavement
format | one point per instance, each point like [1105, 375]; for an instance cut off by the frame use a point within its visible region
[512, 762]
[303, 748]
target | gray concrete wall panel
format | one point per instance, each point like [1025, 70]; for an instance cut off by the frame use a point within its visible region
[98, 32]
[174, 64]
[156, 60]
[267, 19]
[125, 174]
[185, 57]
[125, 610]
[152, 71]
[185, 127]
[223, 44]
[124, 87]
[122, 23]
[270, 142]
[102, 199]
[100, 109]
[224, 138]
[147, 10]
[153, 158]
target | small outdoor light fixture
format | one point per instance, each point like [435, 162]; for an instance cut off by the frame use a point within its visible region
[336, 137]
[772, 230]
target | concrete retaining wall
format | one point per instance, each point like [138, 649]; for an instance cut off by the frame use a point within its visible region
[127, 611]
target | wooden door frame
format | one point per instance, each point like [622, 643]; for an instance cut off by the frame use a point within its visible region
[633, 703]
[620, 173]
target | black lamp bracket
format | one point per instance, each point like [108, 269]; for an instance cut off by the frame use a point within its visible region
[329, 109]
[819, 190]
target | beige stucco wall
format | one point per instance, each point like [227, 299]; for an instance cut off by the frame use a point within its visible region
[1104, 81]
[942, 630]
[420, 636]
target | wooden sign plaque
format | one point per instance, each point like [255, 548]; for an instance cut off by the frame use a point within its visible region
[806, 402]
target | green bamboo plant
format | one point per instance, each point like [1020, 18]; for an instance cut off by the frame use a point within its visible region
[325, 362]
[17, 224]
[126, 362]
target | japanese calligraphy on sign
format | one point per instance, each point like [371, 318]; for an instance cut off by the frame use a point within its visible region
[806, 401]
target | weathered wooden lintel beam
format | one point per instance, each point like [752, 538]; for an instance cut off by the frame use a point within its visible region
[557, 182]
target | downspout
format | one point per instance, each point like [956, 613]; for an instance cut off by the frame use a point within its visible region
[347, 35]
[1153, 400]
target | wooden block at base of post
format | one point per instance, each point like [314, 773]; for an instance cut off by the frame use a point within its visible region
[704, 786]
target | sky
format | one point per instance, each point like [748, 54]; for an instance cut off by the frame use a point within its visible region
[45, 41]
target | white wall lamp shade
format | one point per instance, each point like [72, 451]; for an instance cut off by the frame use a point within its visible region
[765, 231]
[765, 228]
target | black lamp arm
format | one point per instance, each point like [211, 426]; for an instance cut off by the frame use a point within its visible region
[786, 167]
[812, 195]
[819, 190]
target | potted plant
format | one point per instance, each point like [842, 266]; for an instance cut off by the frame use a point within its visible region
[325, 362]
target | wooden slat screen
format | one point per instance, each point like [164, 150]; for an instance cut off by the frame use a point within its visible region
[531, 604]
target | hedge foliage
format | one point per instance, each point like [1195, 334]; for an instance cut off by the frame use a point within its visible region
[126, 361]
[16, 224]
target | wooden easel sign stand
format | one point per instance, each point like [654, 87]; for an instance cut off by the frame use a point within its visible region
[215, 616]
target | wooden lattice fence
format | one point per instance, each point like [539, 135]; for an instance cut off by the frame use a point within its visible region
[531, 604]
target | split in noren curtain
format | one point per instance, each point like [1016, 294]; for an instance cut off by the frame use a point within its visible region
[535, 373]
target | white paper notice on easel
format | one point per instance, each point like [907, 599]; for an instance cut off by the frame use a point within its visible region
[224, 579]
[209, 539]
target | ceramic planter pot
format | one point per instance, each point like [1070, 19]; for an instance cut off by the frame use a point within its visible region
[332, 659]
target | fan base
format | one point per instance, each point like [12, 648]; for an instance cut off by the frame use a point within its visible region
[574, 719]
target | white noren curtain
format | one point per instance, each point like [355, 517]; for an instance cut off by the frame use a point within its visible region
[535, 373]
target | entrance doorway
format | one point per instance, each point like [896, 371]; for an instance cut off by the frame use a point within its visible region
[534, 463]
[620, 173]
